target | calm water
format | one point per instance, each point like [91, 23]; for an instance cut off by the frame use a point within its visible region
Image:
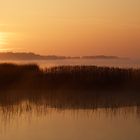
[39, 123]
[115, 63]
[62, 118]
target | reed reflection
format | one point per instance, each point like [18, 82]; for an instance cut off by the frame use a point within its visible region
[17, 102]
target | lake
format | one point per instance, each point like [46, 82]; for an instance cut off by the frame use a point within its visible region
[68, 117]
[70, 124]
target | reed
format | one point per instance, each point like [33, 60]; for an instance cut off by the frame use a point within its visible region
[69, 86]
[68, 77]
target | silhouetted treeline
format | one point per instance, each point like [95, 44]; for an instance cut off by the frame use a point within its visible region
[33, 56]
[68, 77]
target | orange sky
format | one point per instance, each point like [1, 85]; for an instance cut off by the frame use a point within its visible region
[75, 27]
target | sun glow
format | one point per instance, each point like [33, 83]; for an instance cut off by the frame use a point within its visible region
[3, 38]
[4, 41]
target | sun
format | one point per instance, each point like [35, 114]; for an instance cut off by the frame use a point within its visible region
[3, 41]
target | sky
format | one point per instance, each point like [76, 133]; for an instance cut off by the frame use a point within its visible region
[71, 28]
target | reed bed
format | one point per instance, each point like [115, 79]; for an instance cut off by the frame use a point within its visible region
[68, 77]
[69, 86]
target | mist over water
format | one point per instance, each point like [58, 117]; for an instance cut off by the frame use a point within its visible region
[123, 63]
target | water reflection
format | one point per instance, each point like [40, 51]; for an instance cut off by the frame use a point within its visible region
[39, 122]
[66, 115]
[69, 99]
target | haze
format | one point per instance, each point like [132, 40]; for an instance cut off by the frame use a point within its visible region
[74, 27]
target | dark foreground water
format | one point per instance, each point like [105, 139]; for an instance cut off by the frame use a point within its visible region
[41, 117]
